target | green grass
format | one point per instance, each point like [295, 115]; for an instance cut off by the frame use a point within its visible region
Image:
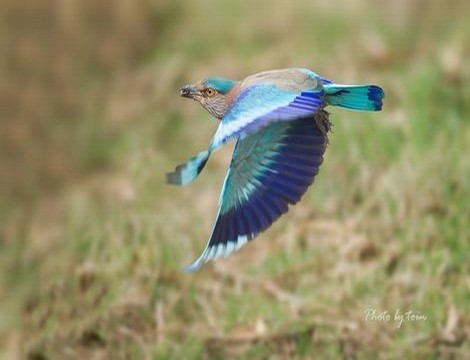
[93, 269]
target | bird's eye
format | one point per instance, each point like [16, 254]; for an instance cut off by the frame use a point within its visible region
[210, 92]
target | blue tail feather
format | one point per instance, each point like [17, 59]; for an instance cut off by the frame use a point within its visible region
[354, 97]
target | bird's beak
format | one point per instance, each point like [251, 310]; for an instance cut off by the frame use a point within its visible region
[188, 91]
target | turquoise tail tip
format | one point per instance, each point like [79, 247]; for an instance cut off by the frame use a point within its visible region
[355, 97]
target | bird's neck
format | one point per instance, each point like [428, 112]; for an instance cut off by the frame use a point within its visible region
[232, 95]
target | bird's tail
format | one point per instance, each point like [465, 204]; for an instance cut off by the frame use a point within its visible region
[355, 97]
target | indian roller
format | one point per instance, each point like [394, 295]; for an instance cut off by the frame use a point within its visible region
[280, 125]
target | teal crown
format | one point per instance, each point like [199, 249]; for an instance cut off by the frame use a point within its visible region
[223, 86]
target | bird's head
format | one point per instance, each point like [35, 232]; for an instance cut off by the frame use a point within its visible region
[214, 94]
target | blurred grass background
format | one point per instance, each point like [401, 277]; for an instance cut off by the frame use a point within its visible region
[92, 240]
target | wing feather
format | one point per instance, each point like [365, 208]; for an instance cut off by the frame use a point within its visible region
[264, 177]
[267, 100]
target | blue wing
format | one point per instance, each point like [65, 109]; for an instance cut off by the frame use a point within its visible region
[187, 172]
[256, 107]
[269, 170]
[259, 105]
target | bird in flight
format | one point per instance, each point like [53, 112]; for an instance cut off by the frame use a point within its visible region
[279, 121]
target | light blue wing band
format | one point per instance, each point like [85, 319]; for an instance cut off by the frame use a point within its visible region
[260, 105]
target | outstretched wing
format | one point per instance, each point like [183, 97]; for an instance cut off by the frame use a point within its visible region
[269, 170]
[256, 107]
